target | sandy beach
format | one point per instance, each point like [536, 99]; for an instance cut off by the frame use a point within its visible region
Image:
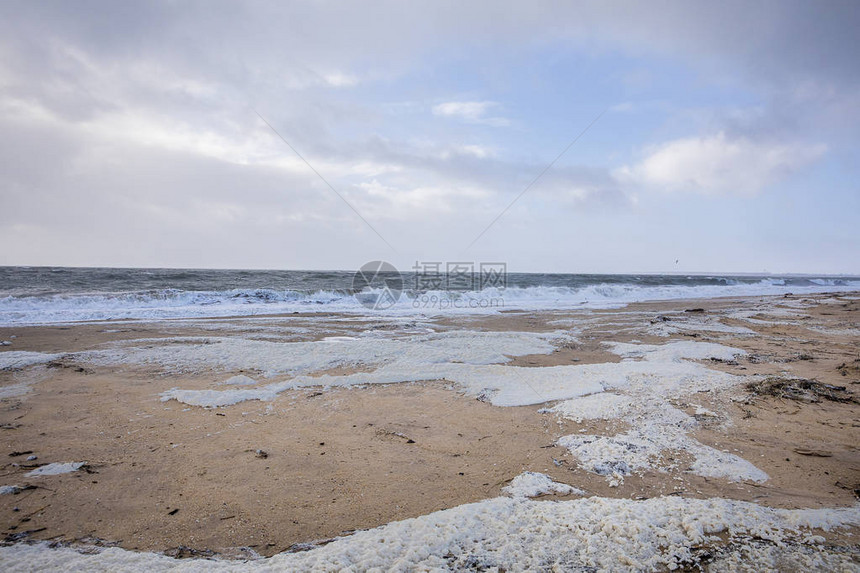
[243, 438]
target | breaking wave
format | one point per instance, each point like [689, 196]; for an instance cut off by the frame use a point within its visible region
[587, 291]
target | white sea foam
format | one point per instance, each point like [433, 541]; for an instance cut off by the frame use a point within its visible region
[19, 362]
[518, 534]
[706, 324]
[15, 359]
[23, 380]
[643, 447]
[277, 358]
[14, 390]
[238, 380]
[768, 315]
[653, 374]
[533, 484]
[473, 360]
[600, 406]
[675, 351]
[851, 331]
[497, 384]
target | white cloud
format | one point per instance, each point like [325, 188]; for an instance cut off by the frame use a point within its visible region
[410, 203]
[719, 164]
[340, 80]
[478, 151]
[471, 112]
[623, 107]
[471, 150]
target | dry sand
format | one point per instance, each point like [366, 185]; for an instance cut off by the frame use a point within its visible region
[166, 477]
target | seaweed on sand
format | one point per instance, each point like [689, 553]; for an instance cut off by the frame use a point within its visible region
[801, 389]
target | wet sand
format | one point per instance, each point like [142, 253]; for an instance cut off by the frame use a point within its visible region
[316, 463]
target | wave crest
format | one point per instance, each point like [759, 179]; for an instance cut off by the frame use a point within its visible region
[177, 303]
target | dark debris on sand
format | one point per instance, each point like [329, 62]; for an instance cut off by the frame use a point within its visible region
[185, 552]
[801, 389]
[849, 368]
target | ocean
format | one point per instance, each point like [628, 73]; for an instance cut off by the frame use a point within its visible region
[45, 295]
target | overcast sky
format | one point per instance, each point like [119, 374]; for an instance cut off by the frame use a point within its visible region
[129, 134]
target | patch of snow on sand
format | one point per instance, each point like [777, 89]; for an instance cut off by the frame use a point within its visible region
[641, 400]
[518, 534]
[533, 484]
[56, 469]
[10, 489]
